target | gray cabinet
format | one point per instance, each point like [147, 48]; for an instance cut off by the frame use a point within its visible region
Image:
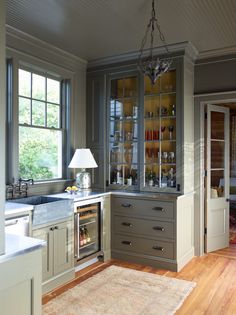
[57, 256]
[152, 231]
[142, 135]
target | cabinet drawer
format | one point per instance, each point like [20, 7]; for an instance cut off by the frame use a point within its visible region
[130, 206]
[151, 228]
[144, 246]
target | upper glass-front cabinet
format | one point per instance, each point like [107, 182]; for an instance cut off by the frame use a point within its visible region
[156, 147]
[160, 131]
[123, 132]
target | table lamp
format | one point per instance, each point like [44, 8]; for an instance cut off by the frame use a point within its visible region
[83, 159]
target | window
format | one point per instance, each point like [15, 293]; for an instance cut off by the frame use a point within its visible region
[40, 132]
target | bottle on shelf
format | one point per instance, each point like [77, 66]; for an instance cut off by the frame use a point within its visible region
[81, 239]
[171, 178]
[164, 181]
[87, 236]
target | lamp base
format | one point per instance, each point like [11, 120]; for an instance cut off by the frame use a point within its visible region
[83, 180]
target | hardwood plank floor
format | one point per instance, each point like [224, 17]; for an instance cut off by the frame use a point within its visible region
[214, 273]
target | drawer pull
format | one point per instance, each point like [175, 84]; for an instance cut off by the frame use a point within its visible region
[126, 205]
[158, 248]
[127, 224]
[127, 243]
[159, 228]
[52, 229]
[158, 209]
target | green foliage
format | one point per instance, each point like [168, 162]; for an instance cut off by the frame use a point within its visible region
[38, 154]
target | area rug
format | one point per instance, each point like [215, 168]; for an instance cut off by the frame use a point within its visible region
[122, 291]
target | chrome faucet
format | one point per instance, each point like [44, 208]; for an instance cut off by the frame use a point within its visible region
[19, 189]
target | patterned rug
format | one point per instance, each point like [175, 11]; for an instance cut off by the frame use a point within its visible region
[122, 291]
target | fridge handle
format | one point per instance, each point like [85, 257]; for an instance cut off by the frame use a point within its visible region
[76, 236]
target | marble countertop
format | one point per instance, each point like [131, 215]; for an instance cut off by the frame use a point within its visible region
[83, 195]
[12, 209]
[16, 245]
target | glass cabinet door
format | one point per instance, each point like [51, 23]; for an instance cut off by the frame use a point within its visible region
[123, 132]
[160, 132]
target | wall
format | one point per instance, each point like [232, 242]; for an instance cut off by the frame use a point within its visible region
[22, 47]
[2, 122]
[215, 82]
[215, 75]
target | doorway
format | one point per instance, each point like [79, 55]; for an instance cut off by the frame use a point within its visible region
[220, 176]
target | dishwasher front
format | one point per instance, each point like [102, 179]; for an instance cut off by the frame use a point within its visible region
[18, 225]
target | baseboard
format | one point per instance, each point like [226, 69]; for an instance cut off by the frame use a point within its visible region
[155, 262]
[57, 281]
[185, 259]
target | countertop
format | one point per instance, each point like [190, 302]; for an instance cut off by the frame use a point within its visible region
[84, 195]
[12, 209]
[16, 245]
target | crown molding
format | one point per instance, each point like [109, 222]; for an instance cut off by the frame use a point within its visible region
[183, 48]
[221, 52]
[23, 42]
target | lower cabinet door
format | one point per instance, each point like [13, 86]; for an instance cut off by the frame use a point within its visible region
[46, 234]
[62, 247]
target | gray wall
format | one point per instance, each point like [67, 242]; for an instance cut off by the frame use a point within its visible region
[215, 75]
[2, 123]
[215, 82]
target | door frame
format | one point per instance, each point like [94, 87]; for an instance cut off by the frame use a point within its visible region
[199, 171]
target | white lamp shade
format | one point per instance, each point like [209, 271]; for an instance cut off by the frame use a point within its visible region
[83, 158]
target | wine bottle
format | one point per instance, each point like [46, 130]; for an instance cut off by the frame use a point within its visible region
[81, 241]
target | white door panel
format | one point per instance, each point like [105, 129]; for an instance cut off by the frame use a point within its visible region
[217, 181]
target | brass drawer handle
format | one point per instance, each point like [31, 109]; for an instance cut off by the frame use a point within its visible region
[159, 228]
[126, 205]
[158, 248]
[127, 224]
[127, 243]
[158, 209]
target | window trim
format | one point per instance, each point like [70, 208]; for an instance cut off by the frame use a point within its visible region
[13, 65]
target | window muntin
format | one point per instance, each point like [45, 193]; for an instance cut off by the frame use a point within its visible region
[40, 128]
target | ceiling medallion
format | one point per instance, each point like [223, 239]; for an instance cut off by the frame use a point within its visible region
[152, 66]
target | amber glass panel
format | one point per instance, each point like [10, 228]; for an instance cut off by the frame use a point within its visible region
[217, 154]
[217, 184]
[168, 81]
[130, 85]
[151, 106]
[130, 108]
[149, 88]
[151, 152]
[217, 125]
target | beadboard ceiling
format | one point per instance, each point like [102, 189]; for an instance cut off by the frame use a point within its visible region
[93, 29]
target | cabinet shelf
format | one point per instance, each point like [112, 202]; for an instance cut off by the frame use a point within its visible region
[122, 118]
[160, 93]
[156, 141]
[89, 216]
[158, 117]
[87, 245]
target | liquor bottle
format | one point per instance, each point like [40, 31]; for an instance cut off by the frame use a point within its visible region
[87, 236]
[84, 237]
[81, 240]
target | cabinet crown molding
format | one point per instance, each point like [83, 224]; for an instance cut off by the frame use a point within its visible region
[177, 49]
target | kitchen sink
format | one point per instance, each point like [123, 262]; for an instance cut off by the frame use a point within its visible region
[47, 209]
[36, 200]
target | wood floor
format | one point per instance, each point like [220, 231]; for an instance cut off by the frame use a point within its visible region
[215, 275]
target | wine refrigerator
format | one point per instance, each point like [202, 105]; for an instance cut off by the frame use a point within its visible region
[88, 230]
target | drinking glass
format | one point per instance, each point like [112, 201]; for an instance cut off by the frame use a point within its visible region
[171, 129]
[163, 128]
